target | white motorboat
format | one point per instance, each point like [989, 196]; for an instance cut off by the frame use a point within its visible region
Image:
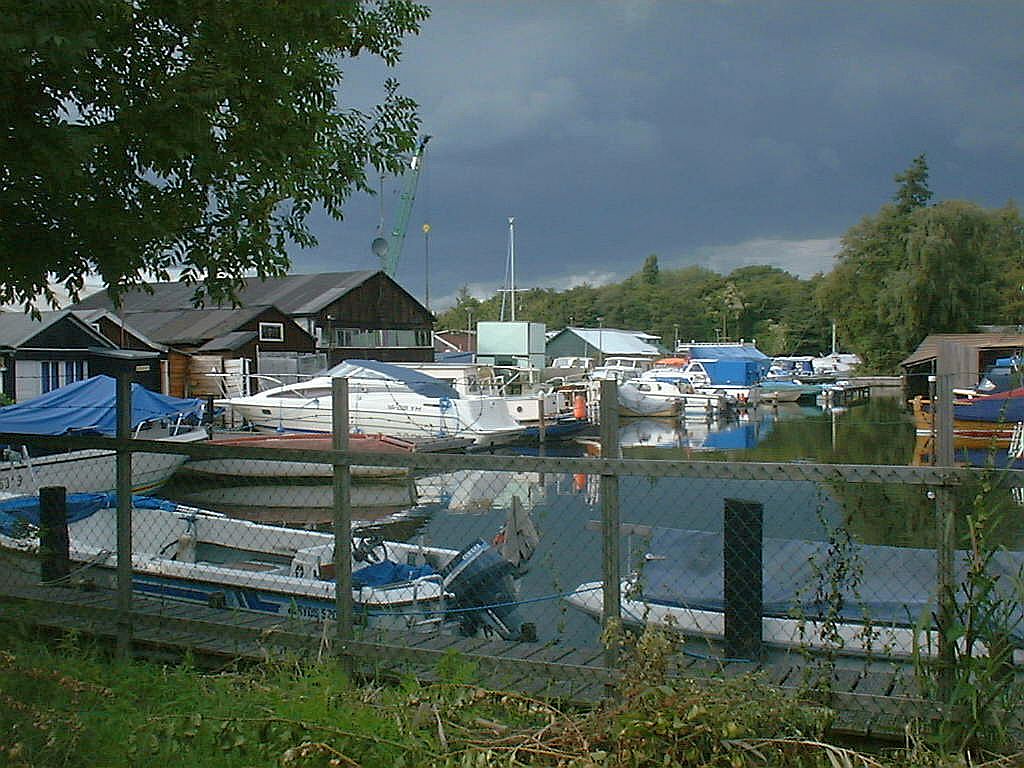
[890, 604]
[662, 382]
[89, 407]
[650, 398]
[186, 554]
[383, 399]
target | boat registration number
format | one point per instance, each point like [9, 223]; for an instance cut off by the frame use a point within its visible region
[8, 483]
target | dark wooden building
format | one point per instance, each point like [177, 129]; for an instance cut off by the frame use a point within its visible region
[58, 348]
[362, 314]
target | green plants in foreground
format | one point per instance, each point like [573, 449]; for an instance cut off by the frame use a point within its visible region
[69, 705]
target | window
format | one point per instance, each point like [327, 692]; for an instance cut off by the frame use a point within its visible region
[74, 370]
[271, 331]
[49, 375]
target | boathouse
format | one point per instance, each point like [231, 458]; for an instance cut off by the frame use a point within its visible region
[38, 355]
[599, 343]
[347, 314]
[977, 352]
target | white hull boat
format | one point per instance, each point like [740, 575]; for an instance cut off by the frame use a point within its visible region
[89, 407]
[383, 399]
[92, 470]
[186, 554]
[886, 609]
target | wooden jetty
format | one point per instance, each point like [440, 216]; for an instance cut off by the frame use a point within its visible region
[869, 699]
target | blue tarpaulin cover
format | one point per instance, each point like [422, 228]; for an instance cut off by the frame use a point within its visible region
[25, 509]
[90, 406]
[388, 572]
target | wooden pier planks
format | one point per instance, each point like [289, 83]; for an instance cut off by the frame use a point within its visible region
[875, 700]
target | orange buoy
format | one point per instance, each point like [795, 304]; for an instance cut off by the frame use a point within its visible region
[579, 407]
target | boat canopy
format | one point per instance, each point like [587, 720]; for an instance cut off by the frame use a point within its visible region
[894, 585]
[374, 370]
[20, 511]
[90, 407]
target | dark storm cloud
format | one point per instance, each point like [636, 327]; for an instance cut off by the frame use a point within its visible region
[712, 133]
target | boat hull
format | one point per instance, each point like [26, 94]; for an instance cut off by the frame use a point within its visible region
[91, 470]
[486, 421]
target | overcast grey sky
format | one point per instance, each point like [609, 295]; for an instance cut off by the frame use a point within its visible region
[712, 133]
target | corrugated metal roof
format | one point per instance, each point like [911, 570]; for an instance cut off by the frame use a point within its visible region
[614, 341]
[292, 294]
[18, 328]
[191, 326]
[928, 349]
[228, 342]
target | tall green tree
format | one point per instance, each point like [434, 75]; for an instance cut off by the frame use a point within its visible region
[914, 269]
[913, 191]
[145, 135]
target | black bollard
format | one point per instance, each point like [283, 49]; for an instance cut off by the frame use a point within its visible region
[743, 576]
[54, 557]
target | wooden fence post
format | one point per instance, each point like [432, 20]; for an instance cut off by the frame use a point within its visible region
[610, 516]
[945, 510]
[124, 516]
[342, 486]
[54, 547]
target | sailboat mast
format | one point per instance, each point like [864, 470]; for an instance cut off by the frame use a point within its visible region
[512, 263]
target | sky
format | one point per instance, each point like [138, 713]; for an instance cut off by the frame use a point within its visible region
[717, 134]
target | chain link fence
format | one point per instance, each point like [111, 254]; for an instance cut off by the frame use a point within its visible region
[791, 566]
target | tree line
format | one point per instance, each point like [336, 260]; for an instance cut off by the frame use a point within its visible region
[911, 269]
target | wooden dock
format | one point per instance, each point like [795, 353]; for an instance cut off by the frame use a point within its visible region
[869, 699]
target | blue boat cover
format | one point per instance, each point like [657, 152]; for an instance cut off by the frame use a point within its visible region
[90, 407]
[23, 510]
[421, 383]
[894, 585]
[388, 572]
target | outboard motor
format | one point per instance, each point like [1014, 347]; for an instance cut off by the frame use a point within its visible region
[479, 577]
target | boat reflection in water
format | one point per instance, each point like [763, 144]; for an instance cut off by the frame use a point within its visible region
[304, 504]
[477, 491]
[691, 435]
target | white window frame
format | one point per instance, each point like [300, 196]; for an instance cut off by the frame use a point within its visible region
[265, 331]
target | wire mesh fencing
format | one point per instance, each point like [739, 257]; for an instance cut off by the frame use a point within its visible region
[843, 569]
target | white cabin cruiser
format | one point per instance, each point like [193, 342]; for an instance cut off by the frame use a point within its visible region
[383, 399]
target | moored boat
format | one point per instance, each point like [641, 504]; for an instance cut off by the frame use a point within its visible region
[680, 585]
[89, 407]
[383, 399]
[186, 554]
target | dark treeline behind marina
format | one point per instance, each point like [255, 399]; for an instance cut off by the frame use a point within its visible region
[912, 268]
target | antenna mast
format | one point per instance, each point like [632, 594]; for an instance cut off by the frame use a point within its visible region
[510, 270]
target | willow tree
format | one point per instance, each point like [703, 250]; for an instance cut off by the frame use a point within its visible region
[914, 269]
[146, 135]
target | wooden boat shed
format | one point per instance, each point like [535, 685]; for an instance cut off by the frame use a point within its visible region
[975, 352]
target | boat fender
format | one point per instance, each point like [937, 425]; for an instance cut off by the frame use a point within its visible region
[579, 407]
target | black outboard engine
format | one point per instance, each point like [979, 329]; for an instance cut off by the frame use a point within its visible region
[479, 577]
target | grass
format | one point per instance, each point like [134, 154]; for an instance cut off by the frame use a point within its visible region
[66, 703]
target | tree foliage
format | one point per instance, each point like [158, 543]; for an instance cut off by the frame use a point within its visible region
[913, 269]
[765, 304]
[143, 136]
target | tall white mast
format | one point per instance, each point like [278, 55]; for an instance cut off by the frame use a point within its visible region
[512, 263]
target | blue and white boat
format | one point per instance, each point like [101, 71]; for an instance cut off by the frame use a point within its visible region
[192, 555]
[89, 407]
